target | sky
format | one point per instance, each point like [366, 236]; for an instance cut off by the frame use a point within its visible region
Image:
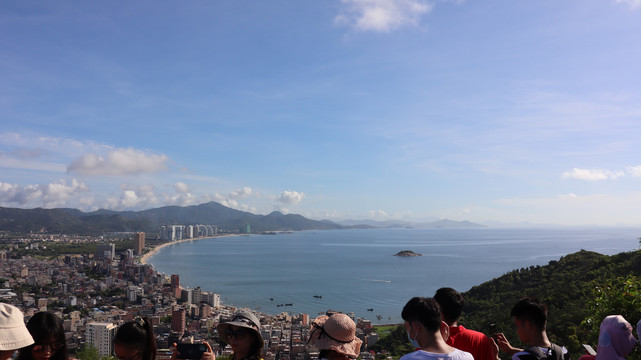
[487, 111]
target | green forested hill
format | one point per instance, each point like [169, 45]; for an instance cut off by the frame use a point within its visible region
[569, 288]
[580, 289]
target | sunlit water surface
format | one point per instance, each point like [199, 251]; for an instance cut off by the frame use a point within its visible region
[356, 270]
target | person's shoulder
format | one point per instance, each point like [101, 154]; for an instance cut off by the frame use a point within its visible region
[412, 355]
[471, 334]
[461, 355]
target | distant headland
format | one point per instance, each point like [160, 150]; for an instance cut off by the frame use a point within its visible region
[407, 253]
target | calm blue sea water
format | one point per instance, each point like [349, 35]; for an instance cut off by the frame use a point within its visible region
[355, 270]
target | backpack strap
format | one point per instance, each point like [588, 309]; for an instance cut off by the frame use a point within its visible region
[557, 352]
[536, 351]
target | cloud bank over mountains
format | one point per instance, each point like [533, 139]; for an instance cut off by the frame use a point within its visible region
[129, 176]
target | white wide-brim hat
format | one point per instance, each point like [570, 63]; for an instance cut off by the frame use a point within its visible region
[13, 332]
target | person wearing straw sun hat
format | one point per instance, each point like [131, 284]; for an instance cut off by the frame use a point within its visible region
[242, 333]
[13, 332]
[335, 337]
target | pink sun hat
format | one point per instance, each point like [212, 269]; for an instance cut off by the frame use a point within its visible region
[336, 332]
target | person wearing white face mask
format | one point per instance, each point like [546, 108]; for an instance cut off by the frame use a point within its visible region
[428, 333]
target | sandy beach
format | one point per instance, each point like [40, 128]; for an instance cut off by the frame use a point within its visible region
[145, 257]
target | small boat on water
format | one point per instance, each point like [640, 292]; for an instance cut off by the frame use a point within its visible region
[370, 309]
[318, 296]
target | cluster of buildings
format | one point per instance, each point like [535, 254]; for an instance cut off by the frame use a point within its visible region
[180, 232]
[94, 294]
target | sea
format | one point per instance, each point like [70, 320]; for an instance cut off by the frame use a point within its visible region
[356, 270]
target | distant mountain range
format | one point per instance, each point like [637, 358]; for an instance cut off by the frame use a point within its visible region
[73, 221]
[443, 223]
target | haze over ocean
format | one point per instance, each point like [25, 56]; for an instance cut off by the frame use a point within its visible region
[355, 270]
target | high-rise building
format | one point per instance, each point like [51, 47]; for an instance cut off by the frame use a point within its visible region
[101, 336]
[210, 298]
[134, 292]
[139, 242]
[178, 318]
[187, 296]
[105, 251]
[196, 297]
[177, 232]
[175, 286]
[205, 310]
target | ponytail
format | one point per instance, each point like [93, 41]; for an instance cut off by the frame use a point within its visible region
[138, 334]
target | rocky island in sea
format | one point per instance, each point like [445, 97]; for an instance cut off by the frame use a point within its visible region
[407, 253]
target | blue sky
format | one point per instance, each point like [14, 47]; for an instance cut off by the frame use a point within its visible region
[510, 111]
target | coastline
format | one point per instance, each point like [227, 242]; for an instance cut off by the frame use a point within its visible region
[145, 258]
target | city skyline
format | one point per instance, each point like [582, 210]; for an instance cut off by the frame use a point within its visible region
[414, 110]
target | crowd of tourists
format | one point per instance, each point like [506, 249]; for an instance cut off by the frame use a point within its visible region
[431, 324]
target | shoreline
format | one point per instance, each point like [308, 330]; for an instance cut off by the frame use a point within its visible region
[144, 260]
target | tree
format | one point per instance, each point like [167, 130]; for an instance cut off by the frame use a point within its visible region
[395, 343]
[621, 296]
[88, 352]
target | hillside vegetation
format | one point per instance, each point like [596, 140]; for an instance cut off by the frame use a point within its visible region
[570, 287]
[580, 289]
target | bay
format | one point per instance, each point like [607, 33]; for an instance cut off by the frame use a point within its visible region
[356, 270]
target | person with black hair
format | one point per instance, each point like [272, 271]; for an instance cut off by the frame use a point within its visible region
[48, 336]
[478, 344]
[135, 340]
[530, 317]
[428, 333]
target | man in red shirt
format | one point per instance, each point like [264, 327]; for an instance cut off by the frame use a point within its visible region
[478, 344]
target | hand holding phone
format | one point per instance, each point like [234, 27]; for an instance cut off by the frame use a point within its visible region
[493, 331]
[191, 351]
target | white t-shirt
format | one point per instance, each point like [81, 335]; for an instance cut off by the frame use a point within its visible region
[425, 355]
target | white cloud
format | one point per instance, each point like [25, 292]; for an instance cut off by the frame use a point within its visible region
[634, 171]
[181, 187]
[50, 195]
[377, 214]
[231, 203]
[633, 4]
[240, 193]
[592, 174]
[382, 15]
[230, 200]
[134, 197]
[290, 197]
[119, 162]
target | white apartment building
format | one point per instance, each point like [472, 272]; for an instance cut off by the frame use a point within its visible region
[101, 336]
